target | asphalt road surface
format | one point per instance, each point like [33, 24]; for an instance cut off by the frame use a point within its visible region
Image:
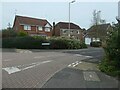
[33, 68]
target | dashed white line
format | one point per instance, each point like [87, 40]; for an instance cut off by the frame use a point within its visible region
[80, 62]
[69, 65]
[74, 64]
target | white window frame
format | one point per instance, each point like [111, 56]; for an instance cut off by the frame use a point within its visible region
[64, 31]
[27, 27]
[78, 32]
[47, 29]
[40, 28]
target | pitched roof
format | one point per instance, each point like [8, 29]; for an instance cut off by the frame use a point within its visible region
[31, 21]
[98, 29]
[65, 25]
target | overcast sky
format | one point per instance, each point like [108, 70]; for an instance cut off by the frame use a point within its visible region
[81, 12]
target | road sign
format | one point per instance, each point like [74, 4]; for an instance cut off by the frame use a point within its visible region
[45, 44]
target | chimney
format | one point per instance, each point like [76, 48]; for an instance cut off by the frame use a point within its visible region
[53, 28]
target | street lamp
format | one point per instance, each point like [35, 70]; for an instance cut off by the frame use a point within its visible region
[69, 14]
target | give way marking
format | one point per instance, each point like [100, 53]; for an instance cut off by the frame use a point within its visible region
[19, 68]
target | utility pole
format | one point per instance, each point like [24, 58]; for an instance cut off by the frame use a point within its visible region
[69, 17]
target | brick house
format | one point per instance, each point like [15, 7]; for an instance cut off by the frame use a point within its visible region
[98, 32]
[62, 29]
[32, 26]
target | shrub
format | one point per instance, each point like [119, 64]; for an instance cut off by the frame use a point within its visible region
[109, 68]
[63, 43]
[22, 33]
[58, 43]
[111, 63]
[28, 42]
[8, 33]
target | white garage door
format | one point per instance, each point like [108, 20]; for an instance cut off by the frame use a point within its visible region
[87, 41]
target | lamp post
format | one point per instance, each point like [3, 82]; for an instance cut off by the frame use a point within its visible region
[69, 15]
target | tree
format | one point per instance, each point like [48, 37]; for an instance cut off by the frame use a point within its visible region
[9, 32]
[111, 63]
[97, 18]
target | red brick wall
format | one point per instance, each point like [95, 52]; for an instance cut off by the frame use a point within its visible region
[32, 31]
[57, 31]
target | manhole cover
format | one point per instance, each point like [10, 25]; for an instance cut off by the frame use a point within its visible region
[90, 76]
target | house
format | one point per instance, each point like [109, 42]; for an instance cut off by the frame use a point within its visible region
[62, 29]
[32, 26]
[97, 33]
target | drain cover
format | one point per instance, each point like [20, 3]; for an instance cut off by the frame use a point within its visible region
[90, 76]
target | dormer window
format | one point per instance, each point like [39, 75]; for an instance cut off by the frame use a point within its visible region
[27, 27]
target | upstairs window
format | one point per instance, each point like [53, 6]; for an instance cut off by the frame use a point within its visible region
[27, 27]
[64, 31]
[78, 32]
[47, 29]
[39, 28]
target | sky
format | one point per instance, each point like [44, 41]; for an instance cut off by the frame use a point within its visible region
[81, 12]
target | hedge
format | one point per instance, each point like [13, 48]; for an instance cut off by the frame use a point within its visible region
[35, 42]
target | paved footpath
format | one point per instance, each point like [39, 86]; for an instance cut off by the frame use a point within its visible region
[83, 75]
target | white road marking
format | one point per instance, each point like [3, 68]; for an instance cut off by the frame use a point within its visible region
[77, 64]
[25, 51]
[11, 69]
[7, 60]
[89, 56]
[73, 63]
[19, 68]
[79, 55]
[69, 65]
[37, 57]
[80, 62]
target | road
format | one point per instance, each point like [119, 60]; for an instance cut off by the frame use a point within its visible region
[33, 68]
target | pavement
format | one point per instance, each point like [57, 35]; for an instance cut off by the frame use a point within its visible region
[84, 75]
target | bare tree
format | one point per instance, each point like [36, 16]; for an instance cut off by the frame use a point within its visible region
[97, 18]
